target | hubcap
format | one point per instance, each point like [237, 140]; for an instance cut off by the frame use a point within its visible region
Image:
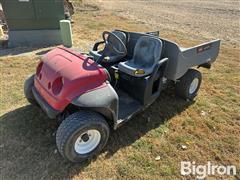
[193, 85]
[87, 141]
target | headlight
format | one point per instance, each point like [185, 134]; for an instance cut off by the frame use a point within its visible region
[57, 85]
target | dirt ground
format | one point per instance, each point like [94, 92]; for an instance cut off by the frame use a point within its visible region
[209, 127]
[198, 19]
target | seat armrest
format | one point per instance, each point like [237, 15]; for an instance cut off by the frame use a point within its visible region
[158, 65]
[162, 61]
[95, 47]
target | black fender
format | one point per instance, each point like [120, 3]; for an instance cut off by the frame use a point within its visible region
[28, 84]
[104, 101]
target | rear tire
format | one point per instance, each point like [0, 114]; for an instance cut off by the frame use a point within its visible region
[188, 85]
[29, 83]
[82, 135]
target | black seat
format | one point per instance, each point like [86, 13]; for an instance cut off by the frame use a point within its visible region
[147, 53]
[112, 56]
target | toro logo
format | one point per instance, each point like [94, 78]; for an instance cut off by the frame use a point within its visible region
[204, 48]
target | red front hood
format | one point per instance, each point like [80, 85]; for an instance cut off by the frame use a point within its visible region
[79, 73]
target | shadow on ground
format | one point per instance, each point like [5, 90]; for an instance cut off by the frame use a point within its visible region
[28, 140]
[18, 51]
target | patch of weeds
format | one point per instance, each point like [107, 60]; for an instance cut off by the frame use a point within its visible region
[182, 139]
[232, 93]
[94, 25]
[166, 149]
[189, 122]
[143, 145]
[200, 103]
[144, 163]
[230, 143]
[217, 145]
[219, 118]
[123, 170]
[167, 170]
[159, 131]
[211, 125]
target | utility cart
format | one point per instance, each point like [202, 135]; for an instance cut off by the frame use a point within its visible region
[91, 93]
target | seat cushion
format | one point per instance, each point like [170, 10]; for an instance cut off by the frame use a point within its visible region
[130, 68]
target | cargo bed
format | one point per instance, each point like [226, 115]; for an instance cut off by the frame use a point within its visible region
[182, 59]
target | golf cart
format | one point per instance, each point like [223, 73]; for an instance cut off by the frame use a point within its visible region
[91, 93]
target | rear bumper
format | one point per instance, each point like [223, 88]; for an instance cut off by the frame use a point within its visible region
[51, 113]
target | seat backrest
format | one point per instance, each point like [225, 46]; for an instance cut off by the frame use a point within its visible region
[147, 51]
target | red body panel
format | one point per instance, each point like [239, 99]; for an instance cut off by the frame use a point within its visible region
[80, 74]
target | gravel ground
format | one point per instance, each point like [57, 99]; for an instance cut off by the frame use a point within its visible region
[203, 20]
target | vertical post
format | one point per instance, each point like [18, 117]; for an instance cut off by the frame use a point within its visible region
[66, 33]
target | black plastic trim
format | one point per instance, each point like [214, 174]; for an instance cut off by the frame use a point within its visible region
[205, 65]
[51, 113]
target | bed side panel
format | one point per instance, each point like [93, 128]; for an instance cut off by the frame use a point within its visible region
[202, 53]
[182, 60]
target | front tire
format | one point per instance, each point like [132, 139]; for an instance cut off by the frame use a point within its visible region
[82, 135]
[29, 83]
[188, 85]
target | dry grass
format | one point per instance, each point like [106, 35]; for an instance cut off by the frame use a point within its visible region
[27, 145]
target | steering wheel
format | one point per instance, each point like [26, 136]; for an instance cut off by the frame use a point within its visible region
[118, 47]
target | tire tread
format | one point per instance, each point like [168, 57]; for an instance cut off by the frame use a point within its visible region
[182, 86]
[72, 123]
